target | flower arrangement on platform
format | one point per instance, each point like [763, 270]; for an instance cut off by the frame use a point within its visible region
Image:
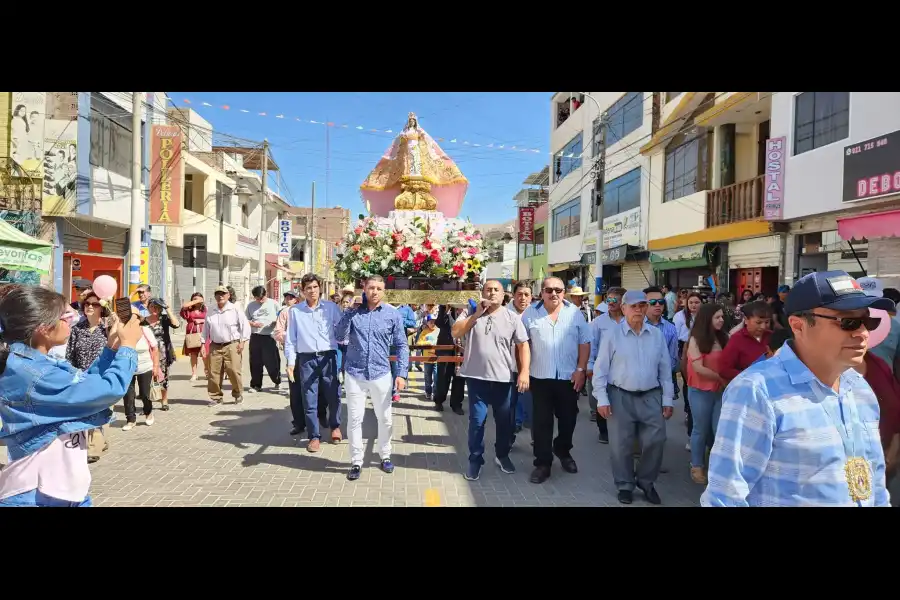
[422, 247]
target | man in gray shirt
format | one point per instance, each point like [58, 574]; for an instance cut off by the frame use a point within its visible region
[262, 314]
[491, 332]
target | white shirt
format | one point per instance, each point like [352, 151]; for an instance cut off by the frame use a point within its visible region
[59, 470]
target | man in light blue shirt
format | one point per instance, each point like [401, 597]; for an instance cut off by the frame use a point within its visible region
[634, 389]
[310, 349]
[560, 345]
[801, 428]
[609, 319]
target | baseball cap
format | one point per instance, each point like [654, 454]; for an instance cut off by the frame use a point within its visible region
[633, 297]
[429, 317]
[221, 290]
[602, 307]
[831, 289]
[783, 289]
[290, 293]
[872, 286]
[348, 288]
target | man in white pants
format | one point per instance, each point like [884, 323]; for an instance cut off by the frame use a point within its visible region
[372, 329]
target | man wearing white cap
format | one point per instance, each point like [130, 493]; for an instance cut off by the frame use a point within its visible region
[633, 386]
[889, 349]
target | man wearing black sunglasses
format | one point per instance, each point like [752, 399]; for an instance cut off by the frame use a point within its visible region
[801, 429]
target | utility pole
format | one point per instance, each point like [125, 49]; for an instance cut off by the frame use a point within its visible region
[311, 230]
[262, 213]
[220, 192]
[137, 205]
[327, 161]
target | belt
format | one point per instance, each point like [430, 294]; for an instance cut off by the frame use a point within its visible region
[225, 343]
[641, 393]
[318, 353]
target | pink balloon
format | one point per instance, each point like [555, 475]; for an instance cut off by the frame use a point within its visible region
[105, 286]
[884, 328]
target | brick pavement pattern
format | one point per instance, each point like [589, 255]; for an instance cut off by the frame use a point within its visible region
[197, 455]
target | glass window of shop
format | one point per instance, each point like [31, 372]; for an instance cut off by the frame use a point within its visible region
[826, 251]
[820, 118]
[623, 117]
[622, 193]
[567, 220]
[568, 159]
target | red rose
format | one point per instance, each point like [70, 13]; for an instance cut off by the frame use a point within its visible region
[419, 258]
[427, 244]
[373, 233]
[358, 230]
[436, 256]
[367, 259]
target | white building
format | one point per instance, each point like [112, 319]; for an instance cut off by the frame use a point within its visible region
[842, 182]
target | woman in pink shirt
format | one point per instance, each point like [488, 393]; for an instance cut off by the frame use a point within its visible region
[194, 314]
[705, 385]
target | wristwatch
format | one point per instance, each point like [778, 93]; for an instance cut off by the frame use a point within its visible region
[579, 370]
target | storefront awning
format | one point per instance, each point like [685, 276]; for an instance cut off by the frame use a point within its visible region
[874, 225]
[685, 257]
[615, 256]
[21, 252]
[563, 267]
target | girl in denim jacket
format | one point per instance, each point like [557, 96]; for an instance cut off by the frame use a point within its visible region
[47, 406]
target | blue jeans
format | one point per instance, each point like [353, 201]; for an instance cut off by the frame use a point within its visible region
[429, 378]
[36, 499]
[481, 395]
[319, 372]
[705, 408]
[520, 408]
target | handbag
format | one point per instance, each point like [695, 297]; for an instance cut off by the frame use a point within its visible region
[155, 392]
[193, 340]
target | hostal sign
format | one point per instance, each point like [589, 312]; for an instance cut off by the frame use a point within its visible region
[872, 168]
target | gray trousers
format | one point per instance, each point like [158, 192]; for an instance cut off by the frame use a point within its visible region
[636, 416]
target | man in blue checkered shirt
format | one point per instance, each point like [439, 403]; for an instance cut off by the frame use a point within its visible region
[801, 429]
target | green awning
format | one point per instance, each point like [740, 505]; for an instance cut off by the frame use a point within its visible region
[685, 257]
[21, 252]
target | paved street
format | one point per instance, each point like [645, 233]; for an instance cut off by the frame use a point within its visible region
[200, 456]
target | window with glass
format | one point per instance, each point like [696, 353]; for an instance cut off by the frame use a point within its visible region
[538, 241]
[687, 164]
[622, 193]
[672, 95]
[567, 220]
[568, 159]
[623, 117]
[820, 118]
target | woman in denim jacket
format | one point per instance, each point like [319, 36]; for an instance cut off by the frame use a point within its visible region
[47, 406]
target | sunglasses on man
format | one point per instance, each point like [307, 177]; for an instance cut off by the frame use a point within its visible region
[851, 323]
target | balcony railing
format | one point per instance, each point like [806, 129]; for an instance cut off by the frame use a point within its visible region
[742, 201]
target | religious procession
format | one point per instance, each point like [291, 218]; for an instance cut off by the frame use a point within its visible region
[790, 399]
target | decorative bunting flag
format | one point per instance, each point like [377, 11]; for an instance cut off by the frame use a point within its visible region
[384, 131]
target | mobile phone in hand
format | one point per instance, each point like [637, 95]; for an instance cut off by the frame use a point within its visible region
[123, 309]
[473, 306]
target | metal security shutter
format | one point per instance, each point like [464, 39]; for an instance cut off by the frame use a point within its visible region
[208, 278]
[157, 266]
[884, 261]
[75, 238]
[755, 252]
[635, 274]
[183, 285]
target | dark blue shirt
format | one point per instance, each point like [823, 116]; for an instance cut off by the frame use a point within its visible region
[372, 333]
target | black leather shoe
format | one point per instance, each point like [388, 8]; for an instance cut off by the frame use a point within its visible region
[604, 437]
[458, 410]
[568, 464]
[438, 407]
[297, 430]
[652, 495]
[540, 474]
[93, 459]
[625, 497]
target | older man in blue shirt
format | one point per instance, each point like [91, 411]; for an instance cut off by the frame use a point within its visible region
[373, 329]
[633, 385]
[310, 349]
[801, 428]
[560, 345]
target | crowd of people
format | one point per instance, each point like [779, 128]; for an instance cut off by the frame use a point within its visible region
[785, 403]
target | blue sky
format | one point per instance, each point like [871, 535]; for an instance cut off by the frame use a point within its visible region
[495, 175]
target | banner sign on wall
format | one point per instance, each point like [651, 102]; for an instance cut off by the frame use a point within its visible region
[776, 159]
[526, 224]
[623, 228]
[165, 175]
[284, 237]
[872, 168]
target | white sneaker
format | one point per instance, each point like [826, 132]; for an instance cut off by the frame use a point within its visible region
[194, 377]
[251, 391]
[128, 426]
[687, 446]
[149, 420]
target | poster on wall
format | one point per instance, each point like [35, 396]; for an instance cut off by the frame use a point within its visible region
[284, 237]
[145, 263]
[774, 180]
[165, 175]
[62, 106]
[26, 133]
[60, 166]
[623, 228]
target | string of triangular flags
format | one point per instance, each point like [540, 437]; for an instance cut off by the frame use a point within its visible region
[490, 146]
